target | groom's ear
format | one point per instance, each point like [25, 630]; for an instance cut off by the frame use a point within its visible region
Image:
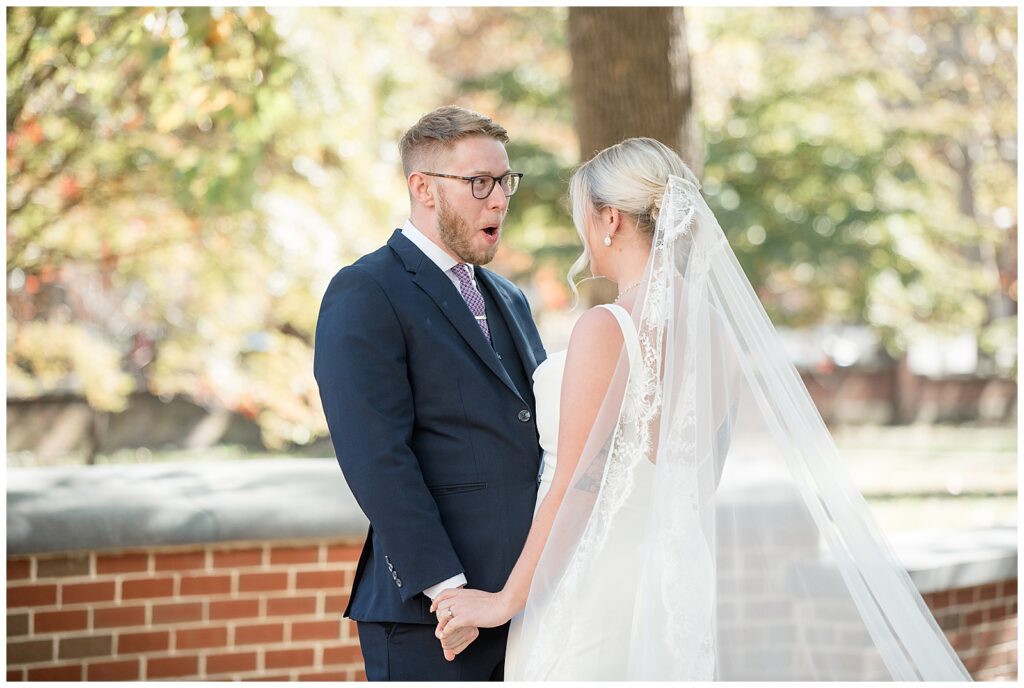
[420, 190]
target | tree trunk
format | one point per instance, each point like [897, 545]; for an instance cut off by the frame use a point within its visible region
[906, 393]
[97, 434]
[631, 77]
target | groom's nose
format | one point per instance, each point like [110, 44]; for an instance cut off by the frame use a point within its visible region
[497, 200]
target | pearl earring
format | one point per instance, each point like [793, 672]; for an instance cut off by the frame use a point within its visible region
[607, 239]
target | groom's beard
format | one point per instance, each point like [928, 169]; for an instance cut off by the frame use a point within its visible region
[459, 236]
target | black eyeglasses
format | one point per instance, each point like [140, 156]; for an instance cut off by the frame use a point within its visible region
[483, 184]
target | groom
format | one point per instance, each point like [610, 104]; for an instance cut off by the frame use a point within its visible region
[424, 361]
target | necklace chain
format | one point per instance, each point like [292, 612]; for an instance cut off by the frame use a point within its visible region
[626, 290]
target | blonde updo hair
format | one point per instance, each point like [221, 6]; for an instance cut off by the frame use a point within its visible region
[629, 176]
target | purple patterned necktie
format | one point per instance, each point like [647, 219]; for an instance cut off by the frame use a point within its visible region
[472, 296]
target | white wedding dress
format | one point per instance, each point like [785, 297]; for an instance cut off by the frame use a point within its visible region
[710, 529]
[578, 659]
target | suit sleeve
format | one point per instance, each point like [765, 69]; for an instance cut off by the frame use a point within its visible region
[360, 367]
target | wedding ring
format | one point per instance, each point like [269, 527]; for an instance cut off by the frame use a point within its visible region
[451, 614]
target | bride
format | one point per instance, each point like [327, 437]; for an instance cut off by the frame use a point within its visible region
[694, 519]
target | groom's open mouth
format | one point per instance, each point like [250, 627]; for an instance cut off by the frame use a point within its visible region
[492, 232]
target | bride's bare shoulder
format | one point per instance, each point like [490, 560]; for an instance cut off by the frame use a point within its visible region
[596, 334]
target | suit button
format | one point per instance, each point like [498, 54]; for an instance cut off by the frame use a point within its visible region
[399, 582]
[524, 416]
[394, 575]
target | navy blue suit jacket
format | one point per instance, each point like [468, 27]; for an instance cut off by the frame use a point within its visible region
[436, 443]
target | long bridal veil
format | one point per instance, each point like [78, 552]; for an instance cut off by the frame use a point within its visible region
[711, 529]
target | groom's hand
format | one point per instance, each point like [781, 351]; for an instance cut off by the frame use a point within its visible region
[456, 641]
[452, 645]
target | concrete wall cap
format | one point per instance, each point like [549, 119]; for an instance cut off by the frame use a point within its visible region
[125, 506]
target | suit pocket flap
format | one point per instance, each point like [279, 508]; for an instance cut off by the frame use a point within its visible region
[456, 489]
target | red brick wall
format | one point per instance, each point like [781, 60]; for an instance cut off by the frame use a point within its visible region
[981, 625]
[269, 611]
[216, 612]
[895, 395]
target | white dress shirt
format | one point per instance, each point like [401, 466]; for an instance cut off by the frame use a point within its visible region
[442, 260]
[436, 254]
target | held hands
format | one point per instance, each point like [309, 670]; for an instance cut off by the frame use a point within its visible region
[453, 643]
[457, 641]
[460, 610]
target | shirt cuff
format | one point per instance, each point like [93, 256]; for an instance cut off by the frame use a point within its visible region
[453, 582]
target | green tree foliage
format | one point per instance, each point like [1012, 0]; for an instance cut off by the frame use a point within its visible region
[182, 183]
[862, 161]
[137, 141]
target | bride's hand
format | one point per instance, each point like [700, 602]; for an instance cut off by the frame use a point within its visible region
[464, 608]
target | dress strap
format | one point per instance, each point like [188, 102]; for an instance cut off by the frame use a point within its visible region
[629, 334]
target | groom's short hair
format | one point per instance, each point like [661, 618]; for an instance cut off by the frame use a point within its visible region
[439, 130]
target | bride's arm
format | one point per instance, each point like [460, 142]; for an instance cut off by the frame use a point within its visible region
[594, 349]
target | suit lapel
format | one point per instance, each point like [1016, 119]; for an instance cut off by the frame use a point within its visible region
[428, 277]
[504, 303]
